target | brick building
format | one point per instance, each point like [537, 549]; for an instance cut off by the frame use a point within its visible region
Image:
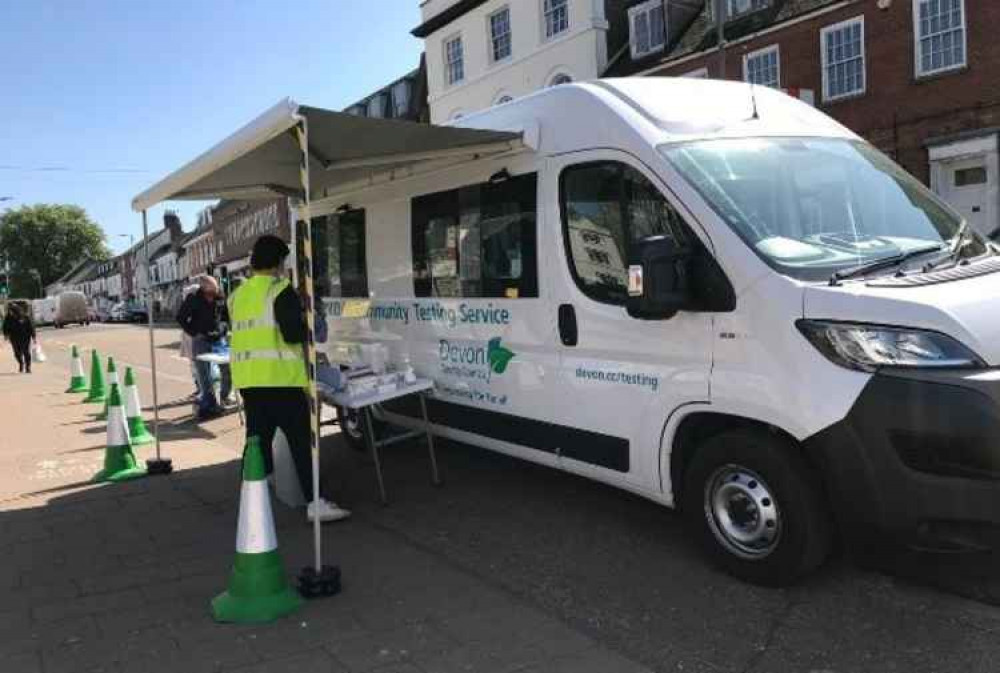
[917, 78]
[237, 225]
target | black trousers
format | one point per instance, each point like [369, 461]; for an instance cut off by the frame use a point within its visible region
[268, 409]
[22, 353]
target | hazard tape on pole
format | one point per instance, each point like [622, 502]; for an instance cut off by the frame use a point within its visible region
[307, 292]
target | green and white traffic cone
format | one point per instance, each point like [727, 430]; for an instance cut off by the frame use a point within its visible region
[258, 587]
[77, 383]
[112, 381]
[119, 461]
[133, 412]
[98, 392]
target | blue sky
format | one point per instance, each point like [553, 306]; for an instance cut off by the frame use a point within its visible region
[116, 94]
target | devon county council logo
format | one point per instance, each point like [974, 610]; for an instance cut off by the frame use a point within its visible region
[498, 356]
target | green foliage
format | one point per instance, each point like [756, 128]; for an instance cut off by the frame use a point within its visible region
[45, 241]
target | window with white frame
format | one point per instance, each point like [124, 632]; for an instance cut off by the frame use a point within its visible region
[454, 61]
[939, 27]
[376, 106]
[647, 30]
[737, 8]
[843, 56]
[763, 67]
[556, 13]
[401, 98]
[500, 34]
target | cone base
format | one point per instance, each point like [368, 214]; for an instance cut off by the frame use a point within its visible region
[101, 398]
[255, 609]
[121, 475]
[77, 386]
[138, 433]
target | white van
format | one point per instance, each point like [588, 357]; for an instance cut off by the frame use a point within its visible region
[708, 294]
[43, 311]
[71, 307]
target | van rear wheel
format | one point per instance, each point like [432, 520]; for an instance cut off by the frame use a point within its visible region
[757, 508]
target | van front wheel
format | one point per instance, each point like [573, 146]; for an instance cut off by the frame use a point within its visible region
[757, 508]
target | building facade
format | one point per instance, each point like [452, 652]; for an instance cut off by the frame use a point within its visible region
[237, 225]
[405, 98]
[917, 78]
[481, 53]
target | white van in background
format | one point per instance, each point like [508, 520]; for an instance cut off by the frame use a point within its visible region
[43, 311]
[705, 293]
[71, 307]
[64, 309]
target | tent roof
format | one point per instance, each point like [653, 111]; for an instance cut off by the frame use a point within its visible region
[261, 160]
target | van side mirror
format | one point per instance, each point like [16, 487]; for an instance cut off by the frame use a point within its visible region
[659, 278]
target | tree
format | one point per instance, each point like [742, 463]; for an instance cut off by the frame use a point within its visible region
[41, 243]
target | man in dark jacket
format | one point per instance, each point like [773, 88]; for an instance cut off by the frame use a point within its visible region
[200, 316]
[20, 331]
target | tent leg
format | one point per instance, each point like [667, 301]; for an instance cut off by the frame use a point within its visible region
[158, 465]
[318, 580]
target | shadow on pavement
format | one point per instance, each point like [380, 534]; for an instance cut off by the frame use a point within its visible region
[618, 568]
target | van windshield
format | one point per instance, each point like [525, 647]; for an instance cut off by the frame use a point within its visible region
[811, 207]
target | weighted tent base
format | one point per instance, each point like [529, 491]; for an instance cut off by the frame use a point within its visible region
[319, 585]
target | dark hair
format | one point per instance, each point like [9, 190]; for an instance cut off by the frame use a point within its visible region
[268, 253]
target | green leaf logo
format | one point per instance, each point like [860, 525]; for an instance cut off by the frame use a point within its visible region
[499, 356]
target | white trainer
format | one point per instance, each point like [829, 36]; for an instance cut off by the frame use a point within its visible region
[325, 511]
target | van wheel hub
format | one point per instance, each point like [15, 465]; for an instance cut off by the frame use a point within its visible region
[742, 512]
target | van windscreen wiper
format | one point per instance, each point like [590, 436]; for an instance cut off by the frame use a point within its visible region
[882, 263]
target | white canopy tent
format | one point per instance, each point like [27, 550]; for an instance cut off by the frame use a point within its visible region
[304, 152]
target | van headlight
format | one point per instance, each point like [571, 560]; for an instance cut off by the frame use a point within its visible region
[868, 347]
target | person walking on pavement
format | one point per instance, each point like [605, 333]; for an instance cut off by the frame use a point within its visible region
[199, 317]
[20, 331]
[269, 365]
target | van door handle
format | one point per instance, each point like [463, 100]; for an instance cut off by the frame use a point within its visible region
[567, 325]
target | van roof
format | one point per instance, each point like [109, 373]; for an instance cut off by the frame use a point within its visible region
[662, 109]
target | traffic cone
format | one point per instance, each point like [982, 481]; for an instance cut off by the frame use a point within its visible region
[77, 384]
[258, 587]
[112, 381]
[133, 412]
[119, 461]
[97, 392]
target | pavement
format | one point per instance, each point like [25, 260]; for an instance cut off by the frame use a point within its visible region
[507, 567]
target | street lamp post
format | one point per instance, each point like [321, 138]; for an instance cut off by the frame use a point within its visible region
[41, 290]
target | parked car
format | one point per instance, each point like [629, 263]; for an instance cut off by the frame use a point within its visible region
[118, 313]
[137, 313]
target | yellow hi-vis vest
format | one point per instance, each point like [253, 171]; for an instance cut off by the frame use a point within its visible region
[259, 355]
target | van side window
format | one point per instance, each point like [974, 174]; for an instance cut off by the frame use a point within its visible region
[607, 206]
[477, 241]
[339, 260]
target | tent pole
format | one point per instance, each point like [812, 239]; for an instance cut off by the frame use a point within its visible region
[320, 580]
[156, 465]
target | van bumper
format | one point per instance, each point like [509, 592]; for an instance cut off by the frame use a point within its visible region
[917, 461]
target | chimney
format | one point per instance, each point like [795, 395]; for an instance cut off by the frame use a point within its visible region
[172, 224]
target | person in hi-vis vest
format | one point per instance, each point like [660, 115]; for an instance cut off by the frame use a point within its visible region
[269, 364]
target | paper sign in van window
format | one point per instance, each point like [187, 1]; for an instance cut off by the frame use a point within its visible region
[635, 280]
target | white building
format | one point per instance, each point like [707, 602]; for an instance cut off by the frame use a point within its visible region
[485, 52]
